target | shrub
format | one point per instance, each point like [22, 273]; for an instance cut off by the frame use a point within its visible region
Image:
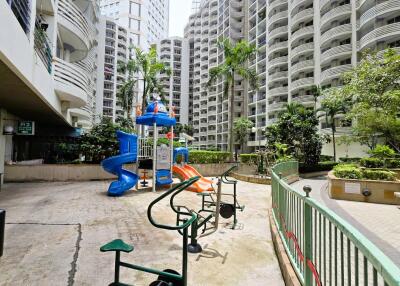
[379, 175]
[382, 151]
[249, 158]
[321, 166]
[372, 162]
[347, 171]
[165, 141]
[392, 163]
[350, 159]
[325, 158]
[206, 157]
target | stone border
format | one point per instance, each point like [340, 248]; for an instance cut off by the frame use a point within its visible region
[288, 273]
[252, 179]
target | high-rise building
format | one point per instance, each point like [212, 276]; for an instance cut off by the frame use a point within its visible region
[47, 74]
[146, 21]
[174, 52]
[113, 49]
[300, 43]
[209, 112]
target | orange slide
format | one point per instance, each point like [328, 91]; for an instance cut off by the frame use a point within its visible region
[186, 172]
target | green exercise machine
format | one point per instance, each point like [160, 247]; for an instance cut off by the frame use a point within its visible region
[167, 277]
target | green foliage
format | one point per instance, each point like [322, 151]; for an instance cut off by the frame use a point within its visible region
[248, 158]
[355, 160]
[101, 141]
[297, 129]
[347, 171]
[207, 157]
[236, 57]
[392, 163]
[380, 175]
[242, 127]
[372, 162]
[325, 158]
[382, 152]
[166, 141]
[321, 166]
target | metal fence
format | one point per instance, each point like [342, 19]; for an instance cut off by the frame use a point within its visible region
[323, 248]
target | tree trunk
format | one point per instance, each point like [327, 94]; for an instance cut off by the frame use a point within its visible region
[334, 141]
[232, 109]
[144, 97]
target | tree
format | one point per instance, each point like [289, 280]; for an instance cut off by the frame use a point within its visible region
[242, 127]
[297, 129]
[235, 60]
[316, 92]
[374, 88]
[125, 93]
[334, 103]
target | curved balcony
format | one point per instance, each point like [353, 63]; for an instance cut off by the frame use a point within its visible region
[74, 29]
[304, 48]
[304, 99]
[277, 61]
[335, 13]
[278, 46]
[335, 33]
[336, 52]
[309, 30]
[277, 32]
[278, 76]
[71, 83]
[334, 72]
[302, 82]
[80, 113]
[297, 3]
[302, 66]
[379, 10]
[380, 34]
[277, 106]
[276, 4]
[302, 15]
[282, 90]
[278, 16]
[322, 4]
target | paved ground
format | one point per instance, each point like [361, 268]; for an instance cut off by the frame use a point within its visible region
[54, 231]
[378, 222]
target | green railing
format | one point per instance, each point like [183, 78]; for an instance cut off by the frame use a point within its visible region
[323, 248]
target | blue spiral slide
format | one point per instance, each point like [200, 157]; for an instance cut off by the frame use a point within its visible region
[128, 154]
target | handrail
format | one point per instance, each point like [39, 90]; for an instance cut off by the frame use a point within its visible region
[308, 230]
[177, 189]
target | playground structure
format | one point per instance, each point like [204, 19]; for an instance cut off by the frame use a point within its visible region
[166, 277]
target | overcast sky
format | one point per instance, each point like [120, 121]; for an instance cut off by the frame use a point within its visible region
[179, 11]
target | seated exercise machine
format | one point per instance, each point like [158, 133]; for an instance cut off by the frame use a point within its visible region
[226, 209]
[166, 277]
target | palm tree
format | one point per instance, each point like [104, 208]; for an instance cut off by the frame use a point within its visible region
[316, 92]
[236, 57]
[333, 103]
[125, 93]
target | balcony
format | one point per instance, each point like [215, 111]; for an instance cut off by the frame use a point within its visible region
[336, 32]
[278, 76]
[380, 34]
[277, 32]
[378, 10]
[71, 83]
[302, 66]
[277, 61]
[277, 17]
[278, 46]
[335, 13]
[302, 15]
[301, 49]
[277, 106]
[282, 90]
[303, 82]
[334, 72]
[336, 52]
[302, 32]
[276, 4]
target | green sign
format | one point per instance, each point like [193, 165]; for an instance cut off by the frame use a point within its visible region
[26, 128]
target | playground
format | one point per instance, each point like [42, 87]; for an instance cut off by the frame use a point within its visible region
[68, 222]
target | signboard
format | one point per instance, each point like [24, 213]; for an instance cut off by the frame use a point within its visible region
[163, 158]
[26, 128]
[352, 188]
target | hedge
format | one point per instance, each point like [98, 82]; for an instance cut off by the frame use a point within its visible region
[392, 163]
[321, 166]
[379, 175]
[350, 159]
[325, 158]
[347, 171]
[207, 157]
[248, 158]
[372, 162]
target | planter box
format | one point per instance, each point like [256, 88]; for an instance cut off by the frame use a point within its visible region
[382, 192]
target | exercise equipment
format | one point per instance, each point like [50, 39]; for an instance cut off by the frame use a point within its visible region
[127, 154]
[167, 277]
[2, 230]
[226, 209]
[184, 171]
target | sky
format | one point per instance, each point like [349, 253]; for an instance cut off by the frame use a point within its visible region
[179, 12]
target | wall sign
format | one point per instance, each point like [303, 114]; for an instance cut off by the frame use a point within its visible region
[352, 188]
[26, 128]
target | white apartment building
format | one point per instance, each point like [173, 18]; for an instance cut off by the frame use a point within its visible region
[112, 49]
[174, 52]
[146, 21]
[47, 62]
[300, 43]
[209, 109]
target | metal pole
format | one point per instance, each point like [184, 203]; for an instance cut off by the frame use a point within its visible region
[218, 204]
[185, 256]
[117, 259]
[2, 229]
[171, 146]
[308, 241]
[154, 155]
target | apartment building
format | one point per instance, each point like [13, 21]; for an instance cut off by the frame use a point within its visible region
[174, 52]
[47, 62]
[146, 21]
[112, 49]
[209, 112]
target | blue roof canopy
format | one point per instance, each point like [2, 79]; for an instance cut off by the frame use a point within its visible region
[160, 117]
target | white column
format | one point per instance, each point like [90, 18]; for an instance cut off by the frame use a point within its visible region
[154, 155]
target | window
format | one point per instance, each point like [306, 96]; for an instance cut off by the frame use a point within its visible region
[134, 24]
[134, 39]
[134, 9]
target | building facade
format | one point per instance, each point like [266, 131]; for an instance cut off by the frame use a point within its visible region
[146, 21]
[174, 53]
[47, 68]
[300, 43]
